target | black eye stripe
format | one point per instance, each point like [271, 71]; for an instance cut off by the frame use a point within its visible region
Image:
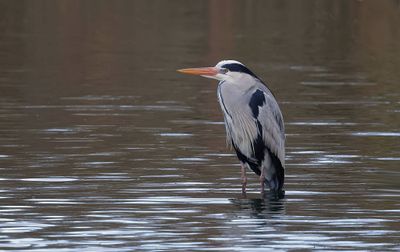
[235, 67]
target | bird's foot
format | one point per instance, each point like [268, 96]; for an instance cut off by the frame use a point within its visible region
[244, 179]
[243, 188]
[262, 192]
[244, 195]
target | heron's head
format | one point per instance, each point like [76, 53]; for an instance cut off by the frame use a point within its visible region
[225, 69]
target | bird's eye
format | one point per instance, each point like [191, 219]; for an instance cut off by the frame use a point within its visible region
[223, 70]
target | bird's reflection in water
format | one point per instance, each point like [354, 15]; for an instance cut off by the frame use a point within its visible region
[261, 207]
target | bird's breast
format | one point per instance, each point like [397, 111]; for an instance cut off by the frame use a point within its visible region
[240, 124]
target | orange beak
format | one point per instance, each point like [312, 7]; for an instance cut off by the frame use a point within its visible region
[203, 71]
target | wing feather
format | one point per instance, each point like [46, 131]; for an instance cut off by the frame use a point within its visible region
[272, 125]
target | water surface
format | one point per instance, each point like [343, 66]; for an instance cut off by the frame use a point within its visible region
[104, 147]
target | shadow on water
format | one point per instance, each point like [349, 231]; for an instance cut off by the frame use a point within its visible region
[261, 207]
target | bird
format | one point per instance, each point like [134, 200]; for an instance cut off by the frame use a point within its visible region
[253, 121]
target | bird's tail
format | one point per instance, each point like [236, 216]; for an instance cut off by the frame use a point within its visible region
[276, 175]
[277, 180]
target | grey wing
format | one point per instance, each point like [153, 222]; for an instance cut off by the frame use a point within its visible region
[269, 120]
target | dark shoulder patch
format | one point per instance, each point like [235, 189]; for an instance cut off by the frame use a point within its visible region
[257, 99]
[235, 67]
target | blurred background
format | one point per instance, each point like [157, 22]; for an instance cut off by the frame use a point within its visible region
[104, 146]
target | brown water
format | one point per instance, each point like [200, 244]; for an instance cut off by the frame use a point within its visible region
[104, 147]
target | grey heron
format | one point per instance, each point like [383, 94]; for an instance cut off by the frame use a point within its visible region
[253, 121]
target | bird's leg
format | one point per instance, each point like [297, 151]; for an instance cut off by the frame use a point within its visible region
[262, 181]
[244, 178]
